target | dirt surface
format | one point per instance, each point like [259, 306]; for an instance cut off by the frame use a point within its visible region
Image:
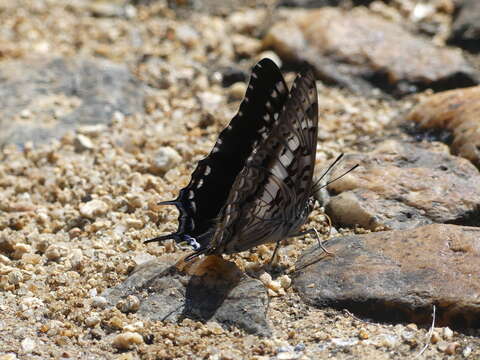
[57, 255]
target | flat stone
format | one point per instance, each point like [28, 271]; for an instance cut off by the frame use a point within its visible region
[405, 185]
[362, 51]
[398, 275]
[208, 289]
[42, 99]
[456, 111]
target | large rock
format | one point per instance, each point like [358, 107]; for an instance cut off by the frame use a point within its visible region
[456, 111]
[206, 289]
[43, 98]
[398, 275]
[361, 50]
[405, 185]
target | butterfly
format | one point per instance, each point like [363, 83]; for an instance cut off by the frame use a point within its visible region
[256, 185]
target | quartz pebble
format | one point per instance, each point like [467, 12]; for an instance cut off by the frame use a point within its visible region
[99, 302]
[28, 345]
[82, 143]
[165, 159]
[93, 208]
[127, 340]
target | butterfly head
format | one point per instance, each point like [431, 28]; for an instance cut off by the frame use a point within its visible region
[192, 242]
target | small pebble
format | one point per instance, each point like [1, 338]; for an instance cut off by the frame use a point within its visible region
[15, 277]
[82, 143]
[275, 285]
[363, 334]
[8, 356]
[214, 327]
[135, 327]
[165, 159]
[130, 304]
[467, 351]
[127, 340]
[291, 355]
[299, 347]
[133, 223]
[92, 320]
[442, 346]
[4, 260]
[28, 345]
[53, 253]
[93, 208]
[435, 338]
[32, 259]
[265, 278]
[286, 281]
[20, 249]
[237, 90]
[452, 348]
[99, 302]
[447, 333]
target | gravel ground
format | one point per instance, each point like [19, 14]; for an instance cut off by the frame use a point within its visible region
[74, 212]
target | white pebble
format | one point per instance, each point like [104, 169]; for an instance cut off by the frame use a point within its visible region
[265, 278]
[82, 143]
[93, 208]
[136, 326]
[99, 301]
[28, 345]
[447, 333]
[8, 356]
[165, 159]
[92, 320]
[53, 253]
[285, 280]
[126, 340]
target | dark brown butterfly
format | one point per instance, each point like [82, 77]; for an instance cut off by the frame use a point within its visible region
[256, 185]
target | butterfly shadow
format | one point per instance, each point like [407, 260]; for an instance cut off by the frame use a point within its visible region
[212, 281]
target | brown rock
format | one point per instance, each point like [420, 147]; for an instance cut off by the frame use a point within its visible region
[398, 275]
[351, 46]
[457, 111]
[404, 185]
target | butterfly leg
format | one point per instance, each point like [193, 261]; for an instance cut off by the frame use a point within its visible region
[314, 231]
[277, 245]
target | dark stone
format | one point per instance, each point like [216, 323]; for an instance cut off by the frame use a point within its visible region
[205, 289]
[398, 275]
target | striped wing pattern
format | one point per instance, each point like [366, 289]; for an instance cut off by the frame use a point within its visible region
[271, 196]
[200, 202]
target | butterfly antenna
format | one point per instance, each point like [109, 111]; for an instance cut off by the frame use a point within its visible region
[339, 177]
[317, 185]
[332, 165]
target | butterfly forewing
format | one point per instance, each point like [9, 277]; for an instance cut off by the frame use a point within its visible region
[270, 198]
[200, 202]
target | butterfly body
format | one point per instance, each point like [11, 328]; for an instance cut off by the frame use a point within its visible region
[255, 186]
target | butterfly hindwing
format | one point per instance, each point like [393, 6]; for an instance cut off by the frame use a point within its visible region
[269, 199]
[200, 202]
